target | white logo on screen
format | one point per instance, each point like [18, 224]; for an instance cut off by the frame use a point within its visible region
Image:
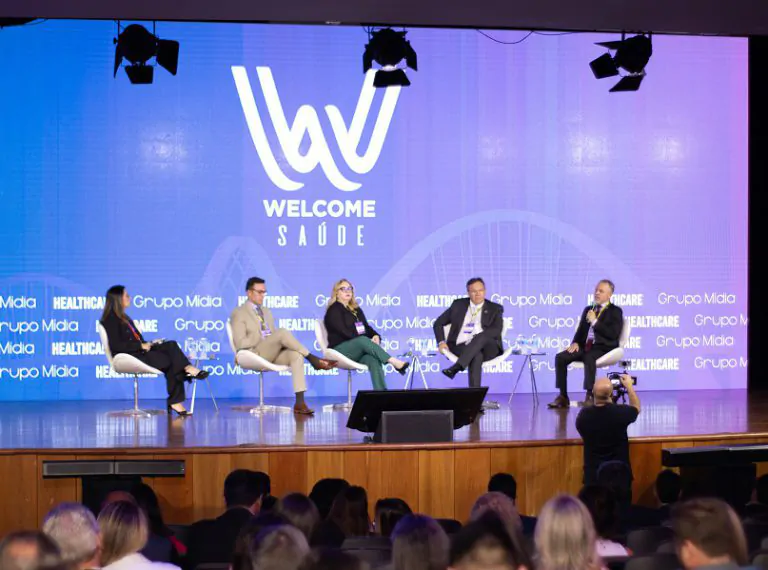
[307, 123]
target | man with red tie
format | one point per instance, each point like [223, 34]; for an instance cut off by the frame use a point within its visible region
[598, 334]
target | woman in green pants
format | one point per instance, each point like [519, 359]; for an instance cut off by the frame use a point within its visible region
[351, 335]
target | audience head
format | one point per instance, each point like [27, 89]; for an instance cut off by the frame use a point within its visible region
[299, 511]
[333, 559]
[29, 550]
[761, 489]
[601, 504]
[75, 531]
[281, 547]
[502, 506]
[668, 487]
[565, 536]
[247, 536]
[388, 513]
[708, 532]
[503, 483]
[324, 493]
[350, 512]
[268, 504]
[116, 496]
[476, 290]
[116, 302]
[124, 531]
[147, 500]
[616, 476]
[244, 488]
[485, 544]
[419, 543]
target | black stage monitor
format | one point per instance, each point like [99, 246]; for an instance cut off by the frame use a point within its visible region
[369, 404]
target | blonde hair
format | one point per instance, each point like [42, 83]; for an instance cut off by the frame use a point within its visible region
[335, 292]
[124, 530]
[565, 536]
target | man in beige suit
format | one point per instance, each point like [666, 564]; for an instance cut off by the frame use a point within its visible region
[253, 328]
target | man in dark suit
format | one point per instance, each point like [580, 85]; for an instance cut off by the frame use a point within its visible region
[505, 483]
[212, 541]
[475, 333]
[598, 334]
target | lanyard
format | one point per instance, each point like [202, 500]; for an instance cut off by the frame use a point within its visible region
[353, 311]
[600, 312]
[473, 314]
[133, 330]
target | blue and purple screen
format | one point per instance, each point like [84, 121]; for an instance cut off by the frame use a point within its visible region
[271, 154]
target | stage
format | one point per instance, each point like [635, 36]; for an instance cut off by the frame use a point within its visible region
[539, 446]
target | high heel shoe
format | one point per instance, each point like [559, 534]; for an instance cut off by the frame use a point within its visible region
[202, 375]
[404, 369]
[182, 414]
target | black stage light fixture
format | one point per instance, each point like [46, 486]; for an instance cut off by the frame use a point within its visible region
[389, 48]
[632, 55]
[138, 46]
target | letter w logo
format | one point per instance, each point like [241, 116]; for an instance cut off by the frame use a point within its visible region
[307, 121]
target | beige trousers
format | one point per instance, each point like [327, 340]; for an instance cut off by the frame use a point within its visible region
[281, 347]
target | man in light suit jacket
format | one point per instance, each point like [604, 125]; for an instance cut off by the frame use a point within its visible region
[475, 334]
[253, 328]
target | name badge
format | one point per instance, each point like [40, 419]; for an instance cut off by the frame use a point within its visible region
[360, 327]
[469, 327]
[265, 331]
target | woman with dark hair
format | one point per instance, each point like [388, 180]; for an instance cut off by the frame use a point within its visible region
[145, 497]
[350, 512]
[125, 337]
[601, 504]
[387, 514]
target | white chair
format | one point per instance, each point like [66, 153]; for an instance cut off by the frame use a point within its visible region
[248, 360]
[487, 366]
[122, 363]
[342, 362]
[617, 354]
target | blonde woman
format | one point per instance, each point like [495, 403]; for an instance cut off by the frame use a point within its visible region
[124, 532]
[350, 334]
[565, 536]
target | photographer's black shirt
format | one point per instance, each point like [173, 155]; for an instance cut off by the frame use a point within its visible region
[604, 431]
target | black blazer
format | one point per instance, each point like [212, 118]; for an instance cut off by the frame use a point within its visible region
[213, 540]
[340, 324]
[120, 337]
[607, 328]
[491, 320]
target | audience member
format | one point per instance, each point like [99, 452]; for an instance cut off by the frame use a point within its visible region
[268, 503]
[162, 545]
[29, 550]
[757, 509]
[299, 511]
[604, 510]
[502, 506]
[419, 543]
[616, 476]
[280, 547]
[668, 487]
[213, 540]
[485, 544]
[324, 493]
[708, 533]
[332, 559]
[505, 483]
[348, 518]
[124, 532]
[565, 536]
[75, 531]
[249, 532]
[388, 513]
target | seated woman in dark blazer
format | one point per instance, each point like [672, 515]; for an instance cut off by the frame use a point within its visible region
[350, 334]
[125, 337]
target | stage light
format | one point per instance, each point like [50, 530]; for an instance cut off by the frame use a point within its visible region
[389, 48]
[632, 55]
[138, 46]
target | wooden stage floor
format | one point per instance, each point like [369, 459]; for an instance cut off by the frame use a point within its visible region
[539, 446]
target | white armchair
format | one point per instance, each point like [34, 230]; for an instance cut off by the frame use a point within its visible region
[122, 363]
[487, 366]
[248, 360]
[617, 354]
[342, 362]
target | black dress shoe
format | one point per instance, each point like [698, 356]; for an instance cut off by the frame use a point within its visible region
[182, 414]
[404, 369]
[202, 375]
[452, 371]
[560, 402]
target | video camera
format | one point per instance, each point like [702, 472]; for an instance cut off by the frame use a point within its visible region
[619, 391]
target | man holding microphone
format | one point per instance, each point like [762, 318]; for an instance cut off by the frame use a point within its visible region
[598, 334]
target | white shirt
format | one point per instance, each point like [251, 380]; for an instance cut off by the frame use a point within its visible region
[474, 315]
[609, 548]
[137, 561]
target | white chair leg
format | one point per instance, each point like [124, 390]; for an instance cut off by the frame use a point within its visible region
[135, 411]
[262, 407]
[344, 406]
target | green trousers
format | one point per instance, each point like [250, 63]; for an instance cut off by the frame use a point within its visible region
[365, 351]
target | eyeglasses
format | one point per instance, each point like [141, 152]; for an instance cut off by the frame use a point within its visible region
[346, 289]
[260, 291]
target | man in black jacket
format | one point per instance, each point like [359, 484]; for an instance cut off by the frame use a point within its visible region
[213, 540]
[475, 333]
[598, 334]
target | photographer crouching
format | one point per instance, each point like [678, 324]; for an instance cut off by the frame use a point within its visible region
[603, 426]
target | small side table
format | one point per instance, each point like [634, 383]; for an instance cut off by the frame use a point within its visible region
[528, 360]
[418, 363]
